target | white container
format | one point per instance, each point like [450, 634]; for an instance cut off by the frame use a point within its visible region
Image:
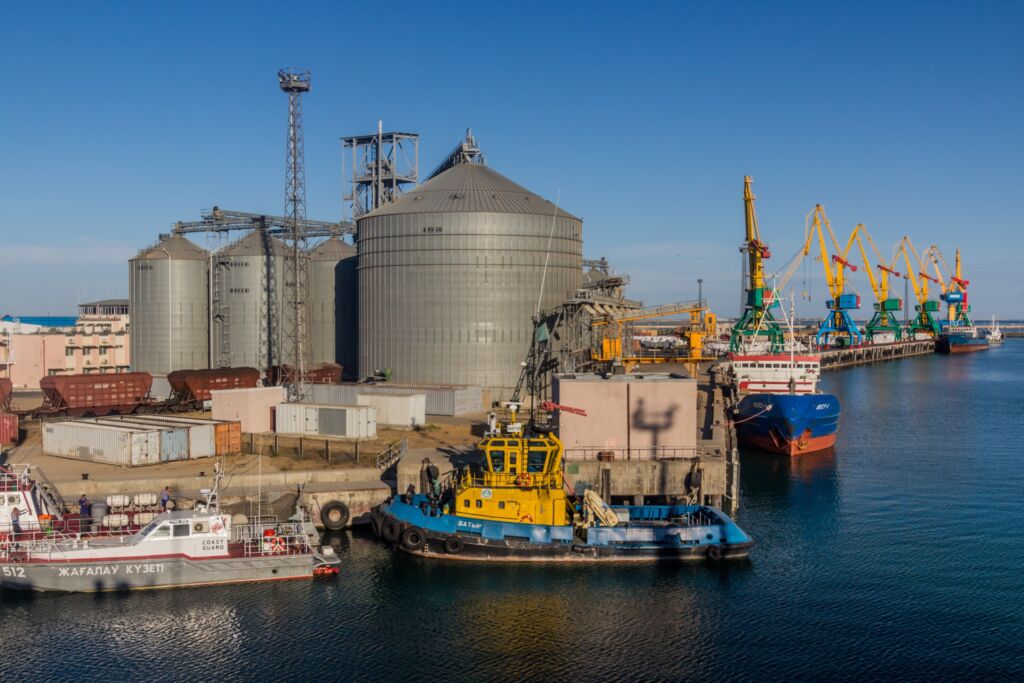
[440, 399]
[352, 422]
[202, 439]
[397, 410]
[111, 444]
[250, 407]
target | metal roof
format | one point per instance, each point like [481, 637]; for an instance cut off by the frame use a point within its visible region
[470, 188]
[107, 302]
[173, 247]
[333, 249]
[253, 245]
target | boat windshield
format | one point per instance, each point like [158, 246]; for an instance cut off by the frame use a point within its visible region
[148, 529]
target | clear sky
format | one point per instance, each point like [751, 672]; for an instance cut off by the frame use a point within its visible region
[119, 118]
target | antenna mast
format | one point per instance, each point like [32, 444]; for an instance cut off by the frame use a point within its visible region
[295, 83]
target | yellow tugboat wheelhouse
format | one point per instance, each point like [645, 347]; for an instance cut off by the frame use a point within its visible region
[512, 505]
[520, 481]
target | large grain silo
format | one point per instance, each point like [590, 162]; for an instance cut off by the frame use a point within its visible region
[169, 307]
[331, 307]
[451, 273]
[248, 301]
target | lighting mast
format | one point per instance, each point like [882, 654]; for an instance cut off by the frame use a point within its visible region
[295, 83]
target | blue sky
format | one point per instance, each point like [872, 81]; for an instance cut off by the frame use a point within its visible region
[119, 118]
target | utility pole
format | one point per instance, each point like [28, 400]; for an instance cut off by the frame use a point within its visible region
[295, 83]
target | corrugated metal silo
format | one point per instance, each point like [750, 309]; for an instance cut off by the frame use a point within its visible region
[248, 302]
[331, 307]
[169, 307]
[450, 275]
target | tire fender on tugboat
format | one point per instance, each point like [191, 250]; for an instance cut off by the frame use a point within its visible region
[714, 552]
[413, 538]
[334, 515]
[390, 529]
[375, 523]
[453, 545]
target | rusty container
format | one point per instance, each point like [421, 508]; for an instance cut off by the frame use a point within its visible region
[228, 436]
[324, 373]
[6, 389]
[194, 386]
[8, 429]
[81, 395]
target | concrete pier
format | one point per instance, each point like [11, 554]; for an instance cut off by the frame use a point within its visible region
[833, 359]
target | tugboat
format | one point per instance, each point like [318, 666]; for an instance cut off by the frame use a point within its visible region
[197, 547]
[514, 506]
[779, 409]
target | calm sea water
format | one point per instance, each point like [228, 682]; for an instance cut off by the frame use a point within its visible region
[900, 556]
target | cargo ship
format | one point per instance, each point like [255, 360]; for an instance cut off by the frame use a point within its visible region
[961, 339]
[780, 409]
[513, 506]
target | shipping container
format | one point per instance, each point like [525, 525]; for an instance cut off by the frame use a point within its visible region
[201, 433]
[352, 422]
[227, 434]
[440, 399]
[250, 407]
[173, 445]
[80, 395]
[8, 428]
[110, 444]
[396, 410]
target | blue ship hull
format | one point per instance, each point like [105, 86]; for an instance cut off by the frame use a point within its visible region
[653, 532]
[960, 343]
[791, 424]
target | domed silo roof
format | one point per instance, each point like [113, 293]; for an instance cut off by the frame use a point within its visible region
[173, 246]
[254, 244]
[470, 188]
[333, 249]
[451, 273]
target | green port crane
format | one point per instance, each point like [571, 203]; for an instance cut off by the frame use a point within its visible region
[883, 327]
[954, 293]
[924, 324]
[756, 328]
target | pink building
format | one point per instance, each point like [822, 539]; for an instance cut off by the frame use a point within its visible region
[97, 342]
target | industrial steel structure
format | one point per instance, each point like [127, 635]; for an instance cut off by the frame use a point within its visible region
[384, 165]
[169, 307]
[451, 274]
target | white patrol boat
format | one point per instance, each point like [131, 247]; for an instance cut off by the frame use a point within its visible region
[176, 549]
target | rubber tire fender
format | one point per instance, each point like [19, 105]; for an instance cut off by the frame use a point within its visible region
[713, 552]
[334, 515]
[453, 545]
[390, 529]
[375, 523]
[413, 538]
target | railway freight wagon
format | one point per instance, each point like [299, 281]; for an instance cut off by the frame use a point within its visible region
[194, 386]
[6, 389]
[324, 373]
[81, 395]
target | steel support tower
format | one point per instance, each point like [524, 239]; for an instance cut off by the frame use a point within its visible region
[295, 83]
[383, 165]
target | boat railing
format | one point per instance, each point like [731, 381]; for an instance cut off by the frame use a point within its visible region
[652, 453]
[262, 540]
[53, 544]
[485, 479]
[13, 477]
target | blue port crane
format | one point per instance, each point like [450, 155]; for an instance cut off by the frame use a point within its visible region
[838, 328]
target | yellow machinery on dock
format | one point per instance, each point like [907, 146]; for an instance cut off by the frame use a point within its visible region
[611, 343]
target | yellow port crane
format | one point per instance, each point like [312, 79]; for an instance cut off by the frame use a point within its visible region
[756, 326]
[838, 328]
[924, 324]
[883, 327]
[954, 293]
[608, 332]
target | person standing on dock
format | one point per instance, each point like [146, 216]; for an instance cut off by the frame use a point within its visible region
[165, 498]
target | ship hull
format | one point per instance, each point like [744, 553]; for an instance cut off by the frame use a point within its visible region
[956, 343]
[789, 424]
[456, 537]
[138, 574]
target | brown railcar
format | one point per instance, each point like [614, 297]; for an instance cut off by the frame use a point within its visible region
[81, 395]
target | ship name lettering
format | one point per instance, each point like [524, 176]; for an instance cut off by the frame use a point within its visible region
[88, 571]
[144, 569]
[14, 572]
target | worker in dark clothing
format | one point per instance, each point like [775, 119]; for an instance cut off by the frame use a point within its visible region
[84, 511]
